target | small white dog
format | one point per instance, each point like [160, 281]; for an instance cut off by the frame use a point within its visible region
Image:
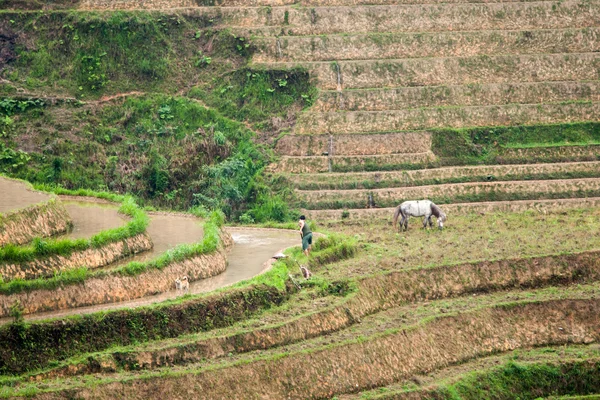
[182, 284]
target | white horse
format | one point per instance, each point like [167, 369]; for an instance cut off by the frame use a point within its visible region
[419, 208]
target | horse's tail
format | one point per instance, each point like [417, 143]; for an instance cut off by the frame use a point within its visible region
[396, 214]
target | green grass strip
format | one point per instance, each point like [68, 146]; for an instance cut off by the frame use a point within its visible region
[65, 247]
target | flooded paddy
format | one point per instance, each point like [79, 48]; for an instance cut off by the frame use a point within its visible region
[90, 218]
[168, 231]
[252, 248]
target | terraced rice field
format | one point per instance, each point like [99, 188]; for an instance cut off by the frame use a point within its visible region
[488, 108]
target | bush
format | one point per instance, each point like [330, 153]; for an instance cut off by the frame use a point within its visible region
[270, 208]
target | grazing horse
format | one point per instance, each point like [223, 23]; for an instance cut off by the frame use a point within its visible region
[419, 208]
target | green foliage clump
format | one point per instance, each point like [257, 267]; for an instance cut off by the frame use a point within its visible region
[10, 106]
[269, 208]
[332, 248]
[12, 161]
[529, 381]
[482, 145]
[258, 95]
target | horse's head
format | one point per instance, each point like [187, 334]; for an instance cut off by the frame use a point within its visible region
[441, 219]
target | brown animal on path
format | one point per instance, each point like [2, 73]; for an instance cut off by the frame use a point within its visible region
[182, 284]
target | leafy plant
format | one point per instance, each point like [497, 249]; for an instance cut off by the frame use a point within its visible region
[92, 72]
[16, 312]
[203, 61]
[11, 160]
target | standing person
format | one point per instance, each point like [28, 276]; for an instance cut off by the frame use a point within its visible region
[305, 234]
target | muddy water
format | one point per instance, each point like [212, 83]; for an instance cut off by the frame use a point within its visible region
[166, 232]
[15, 195]
[251, 250]
[90, 218]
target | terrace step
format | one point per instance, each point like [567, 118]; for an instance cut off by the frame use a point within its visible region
[444, 117]
[542, 206]
[450, 71]
[393, 162]
[313, 164]
[171, 4]
[479, 173]
[590, 152]
[352, 145]
[584, 359]
[293, 21]
[452, 338]
[416, 45]
[451, 193]
[290, 331]
[462, 95]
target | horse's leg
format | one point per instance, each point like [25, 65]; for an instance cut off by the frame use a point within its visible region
[425, 222]
[404, 223]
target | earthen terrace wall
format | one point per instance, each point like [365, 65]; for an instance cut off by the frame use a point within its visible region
[376, 361]
[111, 288]
[40, 220]
[375, 294]
[90, 258]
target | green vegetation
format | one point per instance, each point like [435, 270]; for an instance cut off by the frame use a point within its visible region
[183, 154]
[258, 95]
[166, 150]
[87, 54]
[529, 381]
[483, 145]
